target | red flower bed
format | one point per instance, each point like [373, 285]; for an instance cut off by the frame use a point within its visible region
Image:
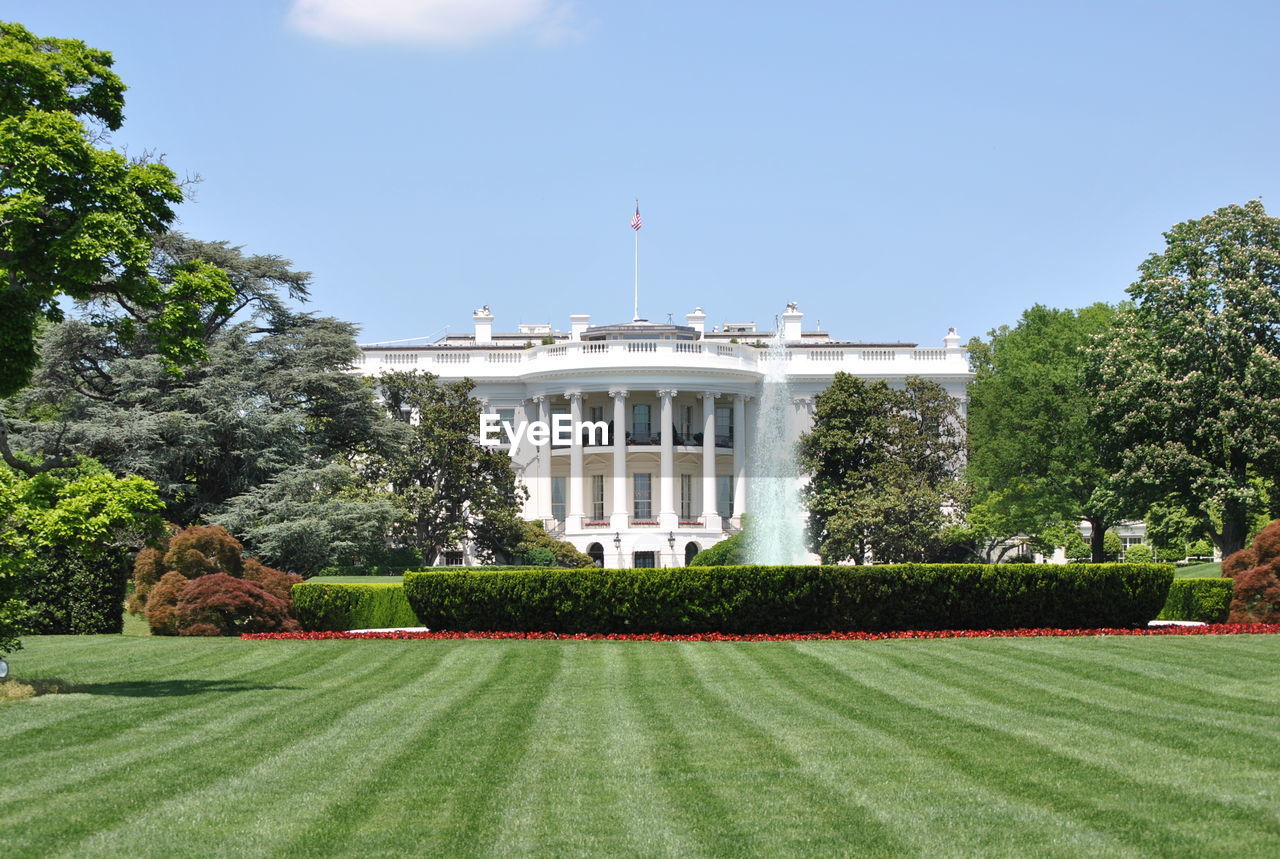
[445, 635]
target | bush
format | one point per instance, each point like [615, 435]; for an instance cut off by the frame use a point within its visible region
[219, 604]
[164, 578]
[755, 599]
[1207, 600]
[1139, 554]
[340, 606]
[1256, 595]
[728, 552]
[71, 595]
[1238, 562]
[1256, 575]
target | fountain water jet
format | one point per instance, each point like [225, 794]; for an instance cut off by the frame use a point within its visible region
[776, 531]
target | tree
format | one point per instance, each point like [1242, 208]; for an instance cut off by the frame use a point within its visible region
[78, 220]
[1035, 458]
[64, 539]
[883, 466]
[1188, 386]
[311, 517]
[450, 487]
[273, 394]
[538, 548]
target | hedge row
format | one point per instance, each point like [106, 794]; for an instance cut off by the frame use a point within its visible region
[400, 569]
[757, 599]
[332, 606]
[1207, 600]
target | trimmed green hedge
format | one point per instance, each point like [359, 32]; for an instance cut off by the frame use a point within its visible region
[335, 606]
[1207, 600]
[757, 599]
[401, 569]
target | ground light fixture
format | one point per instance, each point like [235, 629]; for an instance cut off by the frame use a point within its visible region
[4, 669]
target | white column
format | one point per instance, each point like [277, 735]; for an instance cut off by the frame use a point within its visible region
[739, 458]
[710, 519]
[618, 515]
[543, 458]
[667, 470]
[573, 516]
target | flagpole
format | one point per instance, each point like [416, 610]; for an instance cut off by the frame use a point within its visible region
[635, 314]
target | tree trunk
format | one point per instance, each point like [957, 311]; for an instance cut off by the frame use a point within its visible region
[1235, 526]
[1097, 541]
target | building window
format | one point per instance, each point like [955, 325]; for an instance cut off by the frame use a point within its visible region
[640, 422]
[453, 559]
[596, 552]
[724, 495]
[643, 560]
[642, 495]
[507, 416]
[597, 497]
[687, 426]
[724, 426]
[596, 413]
[686, 496]
[557, 498]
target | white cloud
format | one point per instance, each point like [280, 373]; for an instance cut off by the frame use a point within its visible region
[443, 23]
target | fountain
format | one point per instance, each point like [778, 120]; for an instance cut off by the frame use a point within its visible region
[775, 534]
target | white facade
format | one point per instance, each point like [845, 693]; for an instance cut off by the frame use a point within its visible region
[674, 482]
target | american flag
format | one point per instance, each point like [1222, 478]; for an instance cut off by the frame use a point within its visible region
[636, 223]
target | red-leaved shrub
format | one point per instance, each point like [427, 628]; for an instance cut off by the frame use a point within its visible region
[244, 596]
[202, 550]
[1255, 595]
[1238, 562]
[219, 604]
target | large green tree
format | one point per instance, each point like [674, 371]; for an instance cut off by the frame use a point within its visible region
[883, 466]
[1188, 385]
[78, 219]
[273, 394]
[450, 487]
[1035, 458]
[82, 518]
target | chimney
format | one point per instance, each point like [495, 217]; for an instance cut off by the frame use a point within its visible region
[578, 323]
[697, 320]
[952, 340]
[791, 322]
[484, 324]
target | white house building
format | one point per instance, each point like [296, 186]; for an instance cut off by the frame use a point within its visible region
[673, 481]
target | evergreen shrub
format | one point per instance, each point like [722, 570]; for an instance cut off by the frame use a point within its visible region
[777, 599]
[1207, 600]
[340, 606]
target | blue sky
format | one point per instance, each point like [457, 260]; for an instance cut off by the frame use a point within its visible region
[896, 168]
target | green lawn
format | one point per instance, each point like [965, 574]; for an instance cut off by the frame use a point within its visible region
[1199, 571]
[1096, 746]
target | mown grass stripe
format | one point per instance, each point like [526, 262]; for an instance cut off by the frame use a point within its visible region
[789, 805]
[182, 747]
[911, 790]
[1041, 704]
[366, 729]
[456, 770]
[1095, 700]
[1085, 774]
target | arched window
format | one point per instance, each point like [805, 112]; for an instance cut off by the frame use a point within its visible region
[596, 551]
[690, 549]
